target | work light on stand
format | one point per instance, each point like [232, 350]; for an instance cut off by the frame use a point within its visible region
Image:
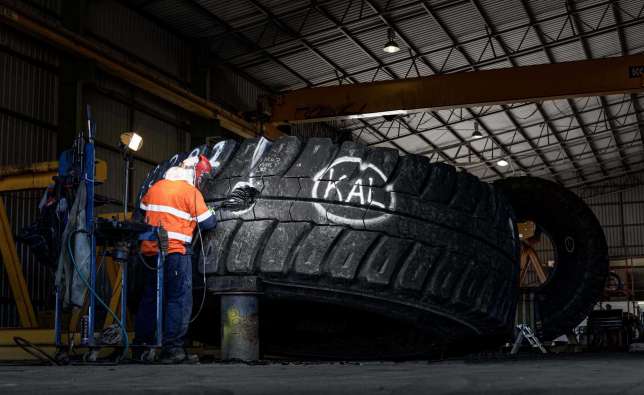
[129, 142]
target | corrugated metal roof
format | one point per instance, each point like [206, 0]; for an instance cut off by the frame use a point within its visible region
[516, 39]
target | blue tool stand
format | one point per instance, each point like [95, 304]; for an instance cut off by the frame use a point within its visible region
[107, 230]
[117, 237]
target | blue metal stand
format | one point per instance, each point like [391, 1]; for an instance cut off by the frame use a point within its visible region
[88, 177]
[154, 235]
[87, 171]
[58, 319]
[124, 297]
[159, 334]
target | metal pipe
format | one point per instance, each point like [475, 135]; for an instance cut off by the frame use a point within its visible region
[124, 298]
[127, 184]
[89, 175]
[159, 317]
[58, 319]
[239, 327]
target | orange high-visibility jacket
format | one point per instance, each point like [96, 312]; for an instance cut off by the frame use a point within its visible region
[177, 206]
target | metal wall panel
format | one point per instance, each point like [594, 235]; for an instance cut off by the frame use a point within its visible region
[114, 186]
[621, 215]
[28, 132]
[51, 7]
[22, 209]
[29, 101]
[22, 142]
[28, 89]
[111, 117]
[138, 36]
[233, 90]
[11, 41]
[161, 139]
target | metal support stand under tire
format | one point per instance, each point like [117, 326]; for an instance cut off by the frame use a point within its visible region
[239, 316]
[525, 332]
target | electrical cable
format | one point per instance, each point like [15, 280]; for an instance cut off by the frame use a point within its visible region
[239, 199]
[203, 260]
[70, 337]
[144, 262]
[93, 291]
[28, 346]
[203, 293]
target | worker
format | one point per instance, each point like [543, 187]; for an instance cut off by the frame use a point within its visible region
[179, 207]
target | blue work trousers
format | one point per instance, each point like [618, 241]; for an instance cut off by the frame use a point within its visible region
[177, 301]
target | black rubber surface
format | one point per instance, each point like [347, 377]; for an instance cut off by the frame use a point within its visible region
[577, 282]
[363, 227]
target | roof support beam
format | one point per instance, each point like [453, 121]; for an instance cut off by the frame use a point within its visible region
[245, 40]
[393, 75]
[379, 134]
[624, 48]
[287, 29]
[368, 23]
[492, 61]
[546, 119]
[584, 44]
[486, 87]
[538, 140]
[577, 142]
[472, 64]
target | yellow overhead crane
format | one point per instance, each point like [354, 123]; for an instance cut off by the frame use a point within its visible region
[597, 77]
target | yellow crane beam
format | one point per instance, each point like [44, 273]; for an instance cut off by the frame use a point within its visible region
[38, 175]
[597, 77]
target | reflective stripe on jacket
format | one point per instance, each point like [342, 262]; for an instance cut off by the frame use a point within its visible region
[177, 206]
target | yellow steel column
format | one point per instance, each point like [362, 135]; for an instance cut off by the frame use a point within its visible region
[14, 273]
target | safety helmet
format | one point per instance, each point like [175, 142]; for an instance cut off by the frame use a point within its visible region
[202, 167]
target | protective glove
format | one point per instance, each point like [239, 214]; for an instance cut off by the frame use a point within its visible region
[240, 198]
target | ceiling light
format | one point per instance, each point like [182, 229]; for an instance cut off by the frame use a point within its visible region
[476, 135]
[502, 163]
[391, 46]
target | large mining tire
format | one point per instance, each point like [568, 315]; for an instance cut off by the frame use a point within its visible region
[363, 227]
[581, 253]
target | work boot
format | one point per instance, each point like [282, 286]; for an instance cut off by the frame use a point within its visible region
[145, 355]
[149, 356]
[178, 355]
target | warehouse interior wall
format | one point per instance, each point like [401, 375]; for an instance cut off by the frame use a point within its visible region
[35, 113]
[29, 77]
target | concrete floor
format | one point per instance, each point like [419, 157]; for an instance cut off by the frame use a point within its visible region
[609, 374]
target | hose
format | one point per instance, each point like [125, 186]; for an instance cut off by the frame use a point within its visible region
[203, 294]
[28, 346]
